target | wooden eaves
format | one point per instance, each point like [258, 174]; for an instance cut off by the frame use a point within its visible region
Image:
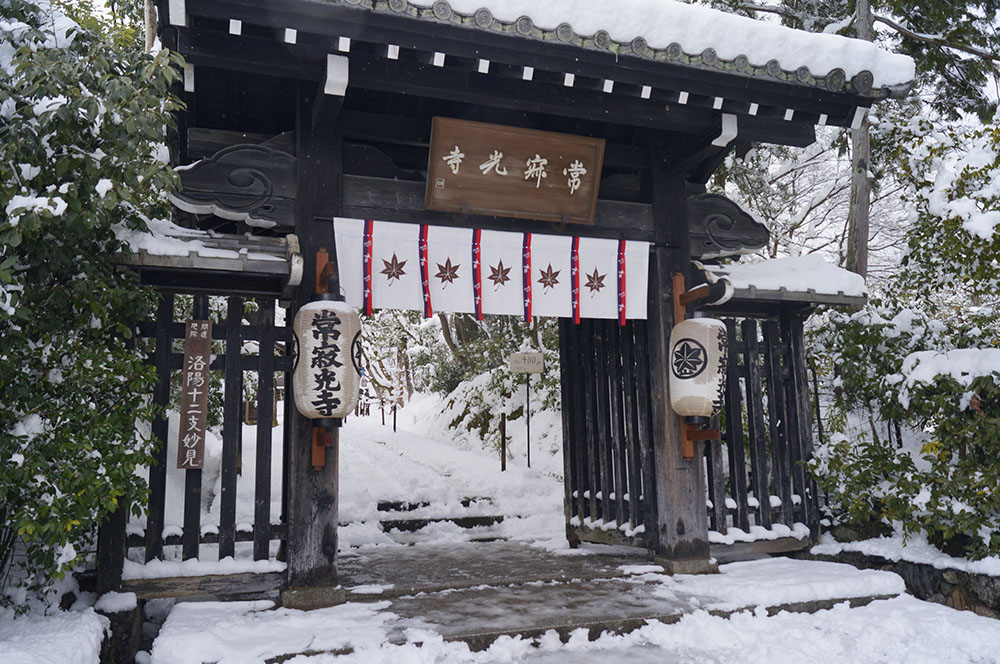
[416, 55]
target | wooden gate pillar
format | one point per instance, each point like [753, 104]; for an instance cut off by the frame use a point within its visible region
[682, 519]
[312, 504]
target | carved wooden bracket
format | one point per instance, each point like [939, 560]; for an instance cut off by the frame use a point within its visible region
[251, 183]
[719, 227]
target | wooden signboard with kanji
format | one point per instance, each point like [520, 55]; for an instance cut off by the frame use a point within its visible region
[194, 395]
[478, 168]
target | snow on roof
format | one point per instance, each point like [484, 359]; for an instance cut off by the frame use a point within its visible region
[689, 34]
[165, 238]
[799, 273]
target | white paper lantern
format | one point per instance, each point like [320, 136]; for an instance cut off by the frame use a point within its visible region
[327, 373]
[698, 350]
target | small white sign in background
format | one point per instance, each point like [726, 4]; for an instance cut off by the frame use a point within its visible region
[527, 363]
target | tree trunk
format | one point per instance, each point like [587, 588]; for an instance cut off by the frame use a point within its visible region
[857, 240]
[407, 374]
[149, 22]
[449, 341]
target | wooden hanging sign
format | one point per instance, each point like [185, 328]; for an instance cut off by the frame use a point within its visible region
[478, 168]
[194, 395]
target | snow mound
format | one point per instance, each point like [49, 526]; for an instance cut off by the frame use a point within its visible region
[915, 550]
[66, 638]
[777, 581]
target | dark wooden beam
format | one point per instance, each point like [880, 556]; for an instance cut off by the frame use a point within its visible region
[326, 111]
[305, 62]
[332, 21]
[396, 200]
[223, 586]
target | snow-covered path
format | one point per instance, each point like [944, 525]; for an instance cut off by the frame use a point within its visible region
[378, 465]
[891, 631]
[439, 473]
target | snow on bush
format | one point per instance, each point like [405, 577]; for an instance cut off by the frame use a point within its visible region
[920, 368]
[927, 458]
[953, 172]
[82, 123]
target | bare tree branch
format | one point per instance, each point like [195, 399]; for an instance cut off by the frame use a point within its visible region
[937, 41]
[901, 29]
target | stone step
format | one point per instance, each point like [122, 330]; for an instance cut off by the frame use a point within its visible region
[438, 567]
[406, 506]
[482, 528]
[480, 615]
[413, 525]
[478, 593]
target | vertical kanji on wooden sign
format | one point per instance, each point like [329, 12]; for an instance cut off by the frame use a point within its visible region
[194, 395]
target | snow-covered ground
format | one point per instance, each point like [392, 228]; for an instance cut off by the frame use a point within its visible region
[71, 637]
[441, 469]
[902, 629]
[424, 463]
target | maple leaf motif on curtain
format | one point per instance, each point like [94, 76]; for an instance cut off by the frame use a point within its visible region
[549, 277]
[447, 273]
[393, 269]
[499, 275]
[595, 282]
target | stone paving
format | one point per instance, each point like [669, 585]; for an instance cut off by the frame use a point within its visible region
[477, 592]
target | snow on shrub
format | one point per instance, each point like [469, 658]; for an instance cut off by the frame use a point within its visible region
[82, 124]
[917, 376]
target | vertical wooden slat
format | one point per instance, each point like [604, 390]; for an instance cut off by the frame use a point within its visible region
[794, 425]
[581, 456]
[717, 484]
[755, 422]
[265, 415]
[111, 550]
[734, 430]
[566, 378]
[631, 415]
[617, 420]
[603, 433]
[191, 537]
[647, 497]
[161, 397]
[232, 425]
[288, 407]
[777, 421]
[590, 417]
[798, 403]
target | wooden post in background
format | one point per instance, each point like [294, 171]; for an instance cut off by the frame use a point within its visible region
[503, 442]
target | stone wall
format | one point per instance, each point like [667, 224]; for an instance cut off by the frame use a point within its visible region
[959, 590]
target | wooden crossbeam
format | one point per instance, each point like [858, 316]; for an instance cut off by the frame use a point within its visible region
[307, 61]
[330, 20]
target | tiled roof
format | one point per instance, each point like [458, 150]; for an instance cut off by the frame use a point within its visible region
[834, 80]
